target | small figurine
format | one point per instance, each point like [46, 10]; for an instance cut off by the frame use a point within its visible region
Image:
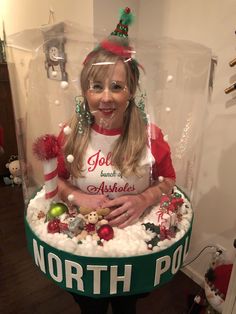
[94, 220]
[15, 172]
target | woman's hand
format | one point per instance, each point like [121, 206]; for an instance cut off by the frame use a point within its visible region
[79, 198]
[88, 200]
[128, 210]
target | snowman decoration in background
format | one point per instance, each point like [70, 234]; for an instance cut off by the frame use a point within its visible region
[55, 57]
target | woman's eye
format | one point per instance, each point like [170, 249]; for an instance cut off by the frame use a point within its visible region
[97, 87]
[116, 87]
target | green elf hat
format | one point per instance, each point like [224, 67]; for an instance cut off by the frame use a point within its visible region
[117, 42]
[126, 19]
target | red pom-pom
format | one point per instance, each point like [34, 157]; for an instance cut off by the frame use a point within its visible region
[127, 10]
[46, 147]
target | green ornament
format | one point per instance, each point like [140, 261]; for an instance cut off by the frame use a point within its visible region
[56, 210]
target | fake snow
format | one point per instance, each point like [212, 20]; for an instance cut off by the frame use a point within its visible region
[130, 241]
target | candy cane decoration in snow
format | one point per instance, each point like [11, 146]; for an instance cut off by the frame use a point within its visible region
[47, 149]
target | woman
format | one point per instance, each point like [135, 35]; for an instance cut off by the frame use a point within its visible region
[119, 161]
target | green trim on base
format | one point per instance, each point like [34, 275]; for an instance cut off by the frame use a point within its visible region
[101, 276]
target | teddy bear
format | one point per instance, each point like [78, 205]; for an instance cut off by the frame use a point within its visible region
[15, 172]
[94, 219]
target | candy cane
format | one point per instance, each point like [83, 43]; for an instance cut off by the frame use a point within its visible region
[47, 148]
[50, 177]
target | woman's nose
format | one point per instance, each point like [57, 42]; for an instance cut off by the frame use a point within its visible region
[106, 95]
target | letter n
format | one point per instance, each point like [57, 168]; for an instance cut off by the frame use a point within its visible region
[39, 256]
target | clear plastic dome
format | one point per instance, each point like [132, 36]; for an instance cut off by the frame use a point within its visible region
[174, 84]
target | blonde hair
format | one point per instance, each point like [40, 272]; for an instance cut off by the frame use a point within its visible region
[130, 146]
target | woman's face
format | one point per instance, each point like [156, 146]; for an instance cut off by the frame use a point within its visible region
[108, 98]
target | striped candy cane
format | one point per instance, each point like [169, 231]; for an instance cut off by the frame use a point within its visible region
[47, 148]
[50, 177]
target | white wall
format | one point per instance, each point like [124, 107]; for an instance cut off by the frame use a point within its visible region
[24, 14]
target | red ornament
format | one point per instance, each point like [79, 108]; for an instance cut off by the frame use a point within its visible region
[54, 226]
[105, 232]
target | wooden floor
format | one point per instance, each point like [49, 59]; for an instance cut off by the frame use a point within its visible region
[24, 290]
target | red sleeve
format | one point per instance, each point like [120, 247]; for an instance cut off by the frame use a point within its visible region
[161, 152]
[61, 165]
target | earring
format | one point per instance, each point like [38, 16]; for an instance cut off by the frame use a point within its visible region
[140, 104]
[84, 116]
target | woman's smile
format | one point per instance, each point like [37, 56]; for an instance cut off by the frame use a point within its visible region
[107, 111]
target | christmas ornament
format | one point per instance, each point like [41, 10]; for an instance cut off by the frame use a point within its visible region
[53, 226]
[56, 210]
[105, 232]
[83, 114]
